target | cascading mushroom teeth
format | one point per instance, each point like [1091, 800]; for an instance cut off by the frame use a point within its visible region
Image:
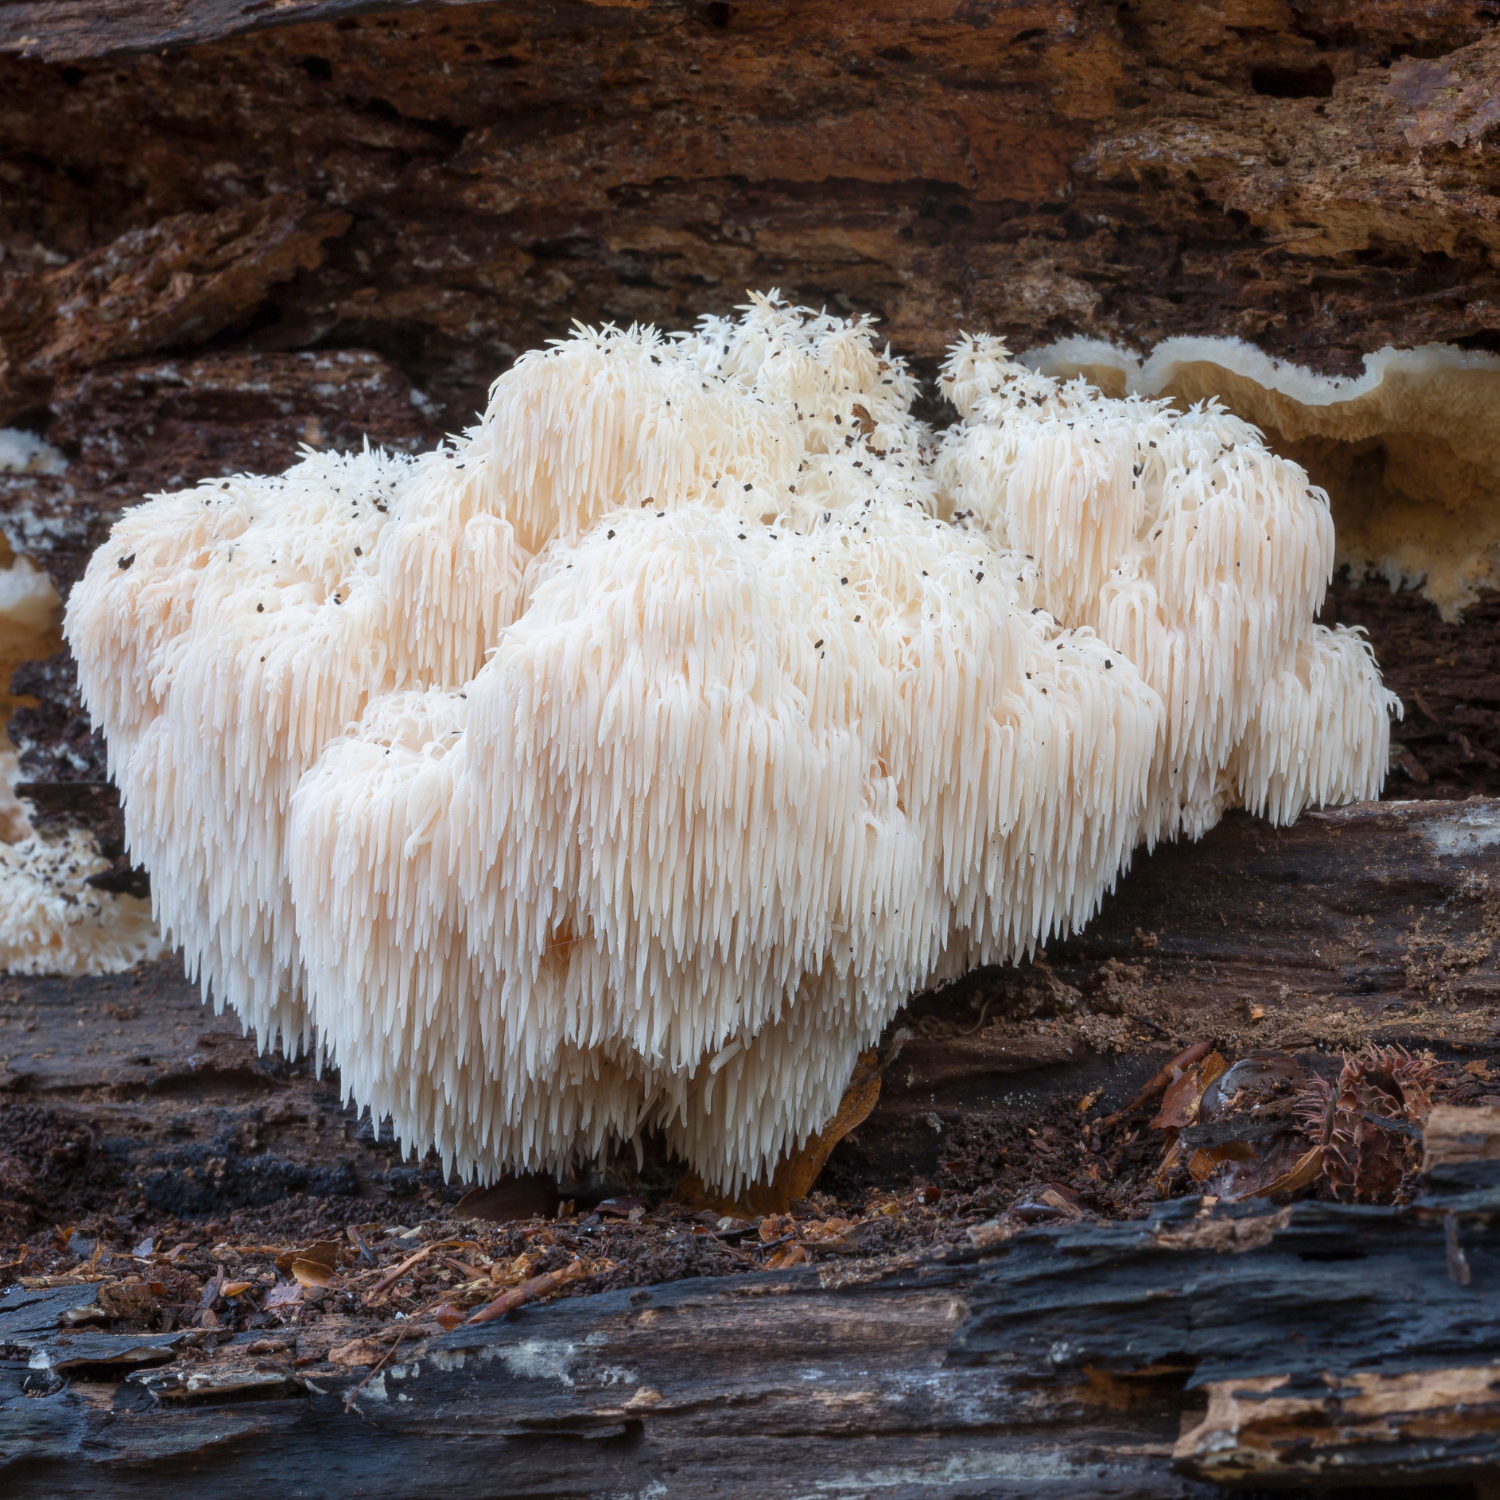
[627, 764]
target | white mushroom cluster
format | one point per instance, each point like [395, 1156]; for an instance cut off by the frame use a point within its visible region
[627, 763]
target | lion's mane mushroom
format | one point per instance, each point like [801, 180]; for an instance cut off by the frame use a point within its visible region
[53, 922]
[630, 761]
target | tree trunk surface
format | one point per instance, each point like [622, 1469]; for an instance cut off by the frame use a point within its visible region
[230, 229]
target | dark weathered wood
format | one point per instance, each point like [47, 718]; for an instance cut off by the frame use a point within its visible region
[1376, 922]
[165, 1105]
[1061, 1362]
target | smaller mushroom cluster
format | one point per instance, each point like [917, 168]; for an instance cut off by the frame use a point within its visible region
[1184, 542]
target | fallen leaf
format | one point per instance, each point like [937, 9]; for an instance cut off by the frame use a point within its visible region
[212, 1287]
[325, 1252]
[1179, 1106]
[775, 1226]
[1206, 1159]
[1304, 1173]
[312, 1272]
[793, 1255]
[825, 1229]
[1169, 1074]
[284, 1294]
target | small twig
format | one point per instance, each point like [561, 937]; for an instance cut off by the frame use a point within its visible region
[385, 1358]
[984, 1010]
[528, 1291]
[1396, 1127]
[772, 1244]
[1174, 1069]
[386, 1282]
[470, 1273]
[389, 1281]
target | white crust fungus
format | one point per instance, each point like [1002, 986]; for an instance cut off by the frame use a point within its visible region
[51, 922]
[629, 762]
[24, 452]
[1409, 450]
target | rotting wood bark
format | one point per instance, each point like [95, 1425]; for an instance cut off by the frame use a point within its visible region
[1069, 1361]
[1031, 169]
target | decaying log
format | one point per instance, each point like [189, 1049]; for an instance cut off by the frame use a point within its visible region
[1377, 922]
[180, 281]
[1039, 170]
[1331, 1342]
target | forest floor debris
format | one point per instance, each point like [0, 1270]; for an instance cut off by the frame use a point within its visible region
[317, 1283]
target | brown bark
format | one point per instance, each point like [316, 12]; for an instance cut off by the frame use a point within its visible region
[1319, 182]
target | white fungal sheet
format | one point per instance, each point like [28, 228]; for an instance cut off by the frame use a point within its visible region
[51, 921]
[629, 762]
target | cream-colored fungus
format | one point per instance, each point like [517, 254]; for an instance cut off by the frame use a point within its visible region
[630, 761]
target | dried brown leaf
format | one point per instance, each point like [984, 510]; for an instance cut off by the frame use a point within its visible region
[312, 1272]
[325, 1252]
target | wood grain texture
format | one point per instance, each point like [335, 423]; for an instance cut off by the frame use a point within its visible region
[1060, 1363]
[1035, 169]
